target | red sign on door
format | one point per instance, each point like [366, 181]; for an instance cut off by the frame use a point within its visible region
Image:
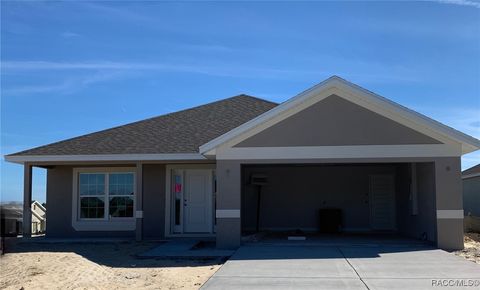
[178, 187]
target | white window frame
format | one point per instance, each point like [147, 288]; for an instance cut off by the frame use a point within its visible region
[105, 196]
[106, 223]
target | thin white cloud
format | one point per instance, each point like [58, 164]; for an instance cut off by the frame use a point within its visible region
[69, 34]
[462, 119]
[220, 69]
[49, 65]
[104, 65]
[37, 89]
[471, 3]
[225, 70]
[102, 71]
[69, 85]
[209, 47]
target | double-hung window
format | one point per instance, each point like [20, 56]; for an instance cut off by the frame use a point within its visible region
[106, 195]
[92, 193]
[120, 194]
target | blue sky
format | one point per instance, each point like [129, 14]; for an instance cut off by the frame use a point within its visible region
[72, 68]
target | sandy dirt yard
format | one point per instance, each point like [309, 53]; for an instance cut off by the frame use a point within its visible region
[471, 251]
[97, 266]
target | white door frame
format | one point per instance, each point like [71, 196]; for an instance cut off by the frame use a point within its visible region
[168, 201]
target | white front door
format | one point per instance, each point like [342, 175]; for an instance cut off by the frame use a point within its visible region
[198, 201]
[382, 202]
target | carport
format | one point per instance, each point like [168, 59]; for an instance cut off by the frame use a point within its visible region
[370, 198]
[339, 146]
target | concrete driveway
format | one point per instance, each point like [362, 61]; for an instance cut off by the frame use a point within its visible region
[344, 267]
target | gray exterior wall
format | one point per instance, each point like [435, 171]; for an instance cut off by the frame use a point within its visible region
[448, 188]
[336, 121]
[59, 213]
[59, 198]
[471, 196]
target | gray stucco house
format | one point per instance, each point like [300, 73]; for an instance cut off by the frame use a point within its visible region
[197, 172]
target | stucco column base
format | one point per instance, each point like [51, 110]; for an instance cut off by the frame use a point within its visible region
[228, 204]
[449, 203]
[228, 233]
[450, 234]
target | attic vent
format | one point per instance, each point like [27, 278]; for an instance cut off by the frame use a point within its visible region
[258, 179]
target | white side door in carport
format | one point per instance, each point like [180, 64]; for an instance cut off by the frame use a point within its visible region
[382, 202]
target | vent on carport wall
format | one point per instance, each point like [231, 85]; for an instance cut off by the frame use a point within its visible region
[258, 179]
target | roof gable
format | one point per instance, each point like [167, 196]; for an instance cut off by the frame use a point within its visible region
[335, 121]
[39, 205]
[355, 94]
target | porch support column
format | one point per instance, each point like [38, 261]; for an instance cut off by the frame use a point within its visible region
[449, 202]
[228, 204]
[27, 200]
[139, 202]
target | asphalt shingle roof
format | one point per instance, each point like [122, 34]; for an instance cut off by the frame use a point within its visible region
[472, 170]
[179, 132]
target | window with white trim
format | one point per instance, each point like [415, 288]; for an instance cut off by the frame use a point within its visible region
[106, 195]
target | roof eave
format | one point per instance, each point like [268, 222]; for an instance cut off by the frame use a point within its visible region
[472, 175]
[469, 147]
[22, 159]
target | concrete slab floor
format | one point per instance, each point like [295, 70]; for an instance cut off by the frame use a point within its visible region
[294, 262]
[324, 267]
[283, 283]
[334, 240]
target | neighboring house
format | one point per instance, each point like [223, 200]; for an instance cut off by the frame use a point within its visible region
[471, 198]
[471, 191]
[10, 220]
[39, 221]
[198, 172]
